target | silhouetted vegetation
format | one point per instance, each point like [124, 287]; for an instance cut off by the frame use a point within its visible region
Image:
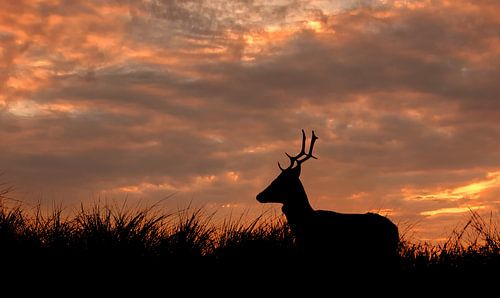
[119, 241]
[473, 248]
[188, 238]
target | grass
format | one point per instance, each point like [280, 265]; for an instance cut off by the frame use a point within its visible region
[112, 231]
[103, 236]
[473, 248]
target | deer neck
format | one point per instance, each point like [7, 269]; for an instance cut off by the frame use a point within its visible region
[297, 207]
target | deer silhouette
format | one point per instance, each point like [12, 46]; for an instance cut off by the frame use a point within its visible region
[352, 240]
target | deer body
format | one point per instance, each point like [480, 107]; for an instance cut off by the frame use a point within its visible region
[346, 239]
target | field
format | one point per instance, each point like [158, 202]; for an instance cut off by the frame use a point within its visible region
[119, 235]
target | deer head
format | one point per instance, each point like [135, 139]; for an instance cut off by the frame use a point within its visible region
[287, 185]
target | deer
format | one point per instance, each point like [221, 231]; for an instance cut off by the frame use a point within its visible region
[368, 240]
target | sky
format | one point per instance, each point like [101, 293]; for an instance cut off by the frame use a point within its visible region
[195, 102]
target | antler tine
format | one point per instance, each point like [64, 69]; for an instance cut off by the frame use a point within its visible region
[302, 152]
[313, 140]
[311, 147]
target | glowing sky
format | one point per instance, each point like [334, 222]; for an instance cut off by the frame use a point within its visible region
[144, 99]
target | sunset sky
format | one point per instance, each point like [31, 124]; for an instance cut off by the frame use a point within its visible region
[197, 101]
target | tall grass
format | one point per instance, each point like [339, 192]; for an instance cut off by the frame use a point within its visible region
[190, 237]
[474, 247]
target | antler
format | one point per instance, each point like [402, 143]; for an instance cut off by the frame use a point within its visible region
[308, 155]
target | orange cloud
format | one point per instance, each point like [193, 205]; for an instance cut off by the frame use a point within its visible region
[451, 210]
[472, 190]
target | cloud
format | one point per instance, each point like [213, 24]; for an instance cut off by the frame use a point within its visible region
[149, 98]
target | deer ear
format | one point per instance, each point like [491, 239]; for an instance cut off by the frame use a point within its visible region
[296, 171]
